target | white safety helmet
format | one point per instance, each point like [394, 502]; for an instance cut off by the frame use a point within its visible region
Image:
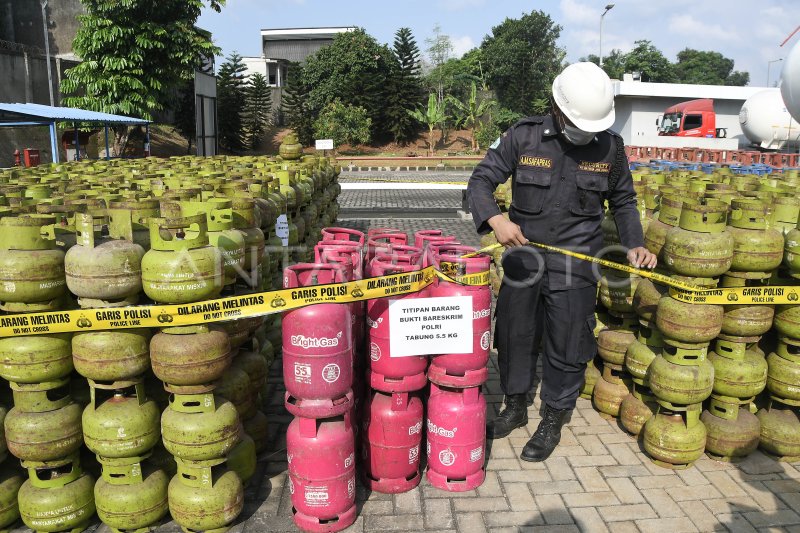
[583, 92]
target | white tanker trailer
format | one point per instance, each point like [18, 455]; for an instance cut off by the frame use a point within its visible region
[767, 123]
[790, 81]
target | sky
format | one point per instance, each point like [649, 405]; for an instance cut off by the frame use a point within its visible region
[743, 30]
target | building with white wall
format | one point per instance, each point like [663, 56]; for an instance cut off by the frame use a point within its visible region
[279, 47]
[282, 46]
[640, 104]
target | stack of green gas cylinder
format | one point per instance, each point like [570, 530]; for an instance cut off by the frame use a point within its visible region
[696, 377]
[689, 378]
[171, 419]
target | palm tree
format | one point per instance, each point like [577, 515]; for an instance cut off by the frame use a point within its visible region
[471, 111]
[432, 116]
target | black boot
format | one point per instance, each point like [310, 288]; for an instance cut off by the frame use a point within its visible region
[514, 416]
[547, 435]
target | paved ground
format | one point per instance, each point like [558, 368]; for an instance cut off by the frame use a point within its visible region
[403, 176]
[597, 480]
[397, 202]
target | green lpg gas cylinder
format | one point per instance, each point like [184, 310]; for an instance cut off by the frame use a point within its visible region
[636, 409]
[757, 247]
[675, 439]
[611, 389]
[221, 233]
[590, 378]
[732, 431]
[31, 267]
[783, 375]
[242, 458]
[641, 352]
[613, 341]
[131, 494]
[52, 500]
[235, 387]
[200, 426]
[746, 320]
[700, 246]
[103, 269]
[190, 356]
[44, 424]
[11, 480]
[205, 496]
[181, 267]
[689, 323]
[111, 355]
[121, 422]
[682, 374]
[780, 430]
[36, 358]
[739, 371]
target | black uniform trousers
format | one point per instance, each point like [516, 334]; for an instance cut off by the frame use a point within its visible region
[563, 321]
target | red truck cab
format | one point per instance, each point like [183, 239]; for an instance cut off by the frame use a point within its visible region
[695, 118]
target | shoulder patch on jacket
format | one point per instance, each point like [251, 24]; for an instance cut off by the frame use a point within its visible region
[529, 120]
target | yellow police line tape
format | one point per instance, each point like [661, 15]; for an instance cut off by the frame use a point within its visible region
[686, 292]
[231, 308]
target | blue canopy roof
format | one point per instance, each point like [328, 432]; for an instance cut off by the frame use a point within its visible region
[46, 113]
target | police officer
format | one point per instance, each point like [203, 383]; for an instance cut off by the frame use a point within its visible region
[563, 167]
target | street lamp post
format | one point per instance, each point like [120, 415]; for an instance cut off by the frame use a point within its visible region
[47, 52]
[608, 8]
[769, 66]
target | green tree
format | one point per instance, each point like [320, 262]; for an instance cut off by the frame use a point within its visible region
[231, 102]
[405, 87]
[431, 116]
[356, 69]
[134, 53]
[440, 49]
[344, 123]
[258, 109]
[295, 106]
[471, 111]
[650, 63]
[613, 63]
[707, 68]
[521, 58]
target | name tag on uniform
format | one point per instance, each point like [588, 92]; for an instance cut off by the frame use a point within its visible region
[535, 161]
[592, 166]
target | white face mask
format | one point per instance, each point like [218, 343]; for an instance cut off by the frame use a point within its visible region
[575, 135]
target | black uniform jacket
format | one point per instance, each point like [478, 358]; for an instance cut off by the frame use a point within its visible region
[558, 194]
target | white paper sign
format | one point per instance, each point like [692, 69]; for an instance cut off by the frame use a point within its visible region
[282, 229]
[324, 144]
[427, 326]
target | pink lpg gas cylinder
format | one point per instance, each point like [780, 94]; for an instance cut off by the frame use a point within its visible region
[317, 345]
[349, 256]
[391, 442]
[387, 373]
[380, 240]
[322, 477]
[456, 438]
[427, 240]
[387, 252]
[344, 234]
[464, 370]
[371, 232]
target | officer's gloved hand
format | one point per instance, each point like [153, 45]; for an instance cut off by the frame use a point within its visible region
[506, 232]
[641, 257]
